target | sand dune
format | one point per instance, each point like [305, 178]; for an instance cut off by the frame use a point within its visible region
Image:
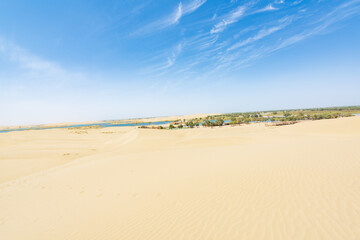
[249, 182]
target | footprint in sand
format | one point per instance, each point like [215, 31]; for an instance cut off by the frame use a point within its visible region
[82, 190]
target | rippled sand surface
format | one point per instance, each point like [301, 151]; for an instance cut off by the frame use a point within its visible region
[249, 182]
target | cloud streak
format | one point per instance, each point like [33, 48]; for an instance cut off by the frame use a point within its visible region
[239, 59]
[172, 19]
[28, 61]
[268, 8]
[340, 13]
[231, 18]
[212, 50]
[34, 68]
[237, 14]
[167, 60]
[261, 34]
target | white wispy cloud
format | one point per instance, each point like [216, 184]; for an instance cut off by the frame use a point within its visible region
[201, 41]
[269, 7]
[242, 58]
[237, 14]
[192, 6]
[28, 61]
[297, 2]
[33, 67]
[261, 34]
[175, 53]
[173, 18]
[340, 13]
[166, 61]
[212, 52]
[231, 18]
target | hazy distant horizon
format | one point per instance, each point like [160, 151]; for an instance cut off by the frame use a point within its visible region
[144, 117]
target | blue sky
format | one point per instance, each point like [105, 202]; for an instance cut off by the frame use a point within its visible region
[93, 60]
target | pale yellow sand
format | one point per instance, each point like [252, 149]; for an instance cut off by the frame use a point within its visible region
[250, 182]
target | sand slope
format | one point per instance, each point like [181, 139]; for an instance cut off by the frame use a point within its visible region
[250, 182]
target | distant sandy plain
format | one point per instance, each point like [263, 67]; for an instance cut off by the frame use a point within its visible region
[291, 182]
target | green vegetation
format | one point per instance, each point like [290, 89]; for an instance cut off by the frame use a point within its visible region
[219, 122]
[190, 124]
[276, 117]
[287, 114]
[213, 123]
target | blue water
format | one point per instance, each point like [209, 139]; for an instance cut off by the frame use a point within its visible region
[101, 125]
[356, 114]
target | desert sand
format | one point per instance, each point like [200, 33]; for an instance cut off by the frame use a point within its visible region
[293, 182]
